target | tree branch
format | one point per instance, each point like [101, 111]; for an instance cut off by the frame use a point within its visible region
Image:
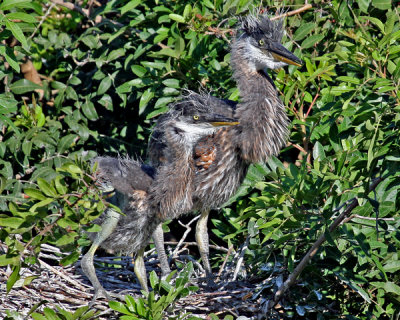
[72, 6]
[313, 250]
[292, 13]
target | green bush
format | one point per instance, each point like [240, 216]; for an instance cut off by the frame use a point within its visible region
[76, 84]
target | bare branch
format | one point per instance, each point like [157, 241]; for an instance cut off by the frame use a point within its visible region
[186, 243]
[71, 6]
[241, 256]
[292, 13]
[313, 250]
[42, 20]
[188, 229]
[230, 250]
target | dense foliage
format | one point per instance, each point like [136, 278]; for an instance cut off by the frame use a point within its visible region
[91, 81]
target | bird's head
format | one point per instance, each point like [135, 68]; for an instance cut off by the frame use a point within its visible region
[192, 122]
[259, 38]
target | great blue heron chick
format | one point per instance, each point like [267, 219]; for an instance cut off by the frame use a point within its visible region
[146, 197]
[222, 159]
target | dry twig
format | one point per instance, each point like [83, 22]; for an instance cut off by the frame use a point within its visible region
[240, 259]
[293, 12]
[313, 250]
[188, 229]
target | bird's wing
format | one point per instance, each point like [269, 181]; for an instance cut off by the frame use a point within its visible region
[123, 174]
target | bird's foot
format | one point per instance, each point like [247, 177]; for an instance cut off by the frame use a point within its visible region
[102, 293]
[99, 293]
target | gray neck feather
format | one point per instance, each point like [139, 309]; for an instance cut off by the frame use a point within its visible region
[263, 128]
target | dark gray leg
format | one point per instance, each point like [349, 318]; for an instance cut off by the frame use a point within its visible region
[140, 270]
[158, 238]
[203, 243]
[107, 227]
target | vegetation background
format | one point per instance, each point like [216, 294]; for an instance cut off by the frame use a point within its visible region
[90, 77]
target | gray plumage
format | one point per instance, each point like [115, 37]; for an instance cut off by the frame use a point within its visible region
[146, 197]
[221, 160]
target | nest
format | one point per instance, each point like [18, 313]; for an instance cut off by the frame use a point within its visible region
[54, 286]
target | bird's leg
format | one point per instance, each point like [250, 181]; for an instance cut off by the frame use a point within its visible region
[203, 243]
[158, 238]
[107, 227]
[140, 270]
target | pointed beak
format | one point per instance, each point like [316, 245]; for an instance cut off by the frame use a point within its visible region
[280, 53]
[218, 120]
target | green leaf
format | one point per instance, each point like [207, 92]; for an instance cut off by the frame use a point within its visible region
[364, 4]
[177, 17]
[34, 193]
[66, 142]
[115, 54]
[105, 84]
[7, 104]
[388, 286]
[10, 4]
[392, 266]
[21, 16]
[50, 314]
[120, 307]
[130, 6]
[91, 41]
[23, 86]
[17, 32]
[209, 4]
[375, 21]
[46, 188]
[12, 222]
[153, 279]
[311, 41]
[173, 83]
[10, 57]
[318, 151]
[6, 259]
[38, 316]
[70, 259]
[179, 46]
[382, 4]
[89, 110]
[66, 238]
[349, 79]
[71, 168]
[27, 147]
[304, 31]
[13, 277]
[139, 70]
[40, 204]
[145, 99]
[3, 183]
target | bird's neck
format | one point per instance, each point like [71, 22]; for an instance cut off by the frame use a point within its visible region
[172, 189]
[263, 121]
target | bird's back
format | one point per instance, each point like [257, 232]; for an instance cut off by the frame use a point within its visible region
[131, 181]
[124, 174]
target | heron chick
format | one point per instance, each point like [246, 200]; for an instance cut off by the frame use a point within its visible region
[223, 158]
[146, 197]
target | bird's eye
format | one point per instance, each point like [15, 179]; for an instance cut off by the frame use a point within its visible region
[196, 117]
[261, 42]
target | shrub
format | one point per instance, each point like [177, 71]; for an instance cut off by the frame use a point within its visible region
[80, 83]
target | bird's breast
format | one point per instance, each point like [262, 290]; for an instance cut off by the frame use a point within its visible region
[219, 170]
[205, 154]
